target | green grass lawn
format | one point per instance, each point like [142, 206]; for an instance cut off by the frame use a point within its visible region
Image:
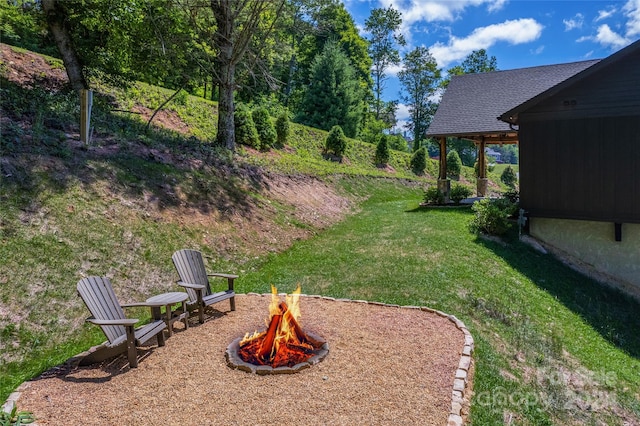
[549, 342]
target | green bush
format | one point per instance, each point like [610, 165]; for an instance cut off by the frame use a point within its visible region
[382, 151]
[282, 129]
[336, 141]
[512, 195]
[508, 177]
[459, 193]
[265, 128]
[419, 161]
[454, 164]
[433, 195]
[491, 217]
[246, 133]
[398, 143]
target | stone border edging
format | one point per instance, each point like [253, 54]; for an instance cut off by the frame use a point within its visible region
[460, 381]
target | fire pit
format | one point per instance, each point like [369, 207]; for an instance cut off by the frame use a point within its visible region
[284, 347]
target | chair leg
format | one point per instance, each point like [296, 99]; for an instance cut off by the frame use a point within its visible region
[232, 301]
[201, 310]
[161, 337]
[132, 352]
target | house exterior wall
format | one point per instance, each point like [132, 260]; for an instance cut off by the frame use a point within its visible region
[613, 92]
[580, 171]
[581, 168]
[593, 244]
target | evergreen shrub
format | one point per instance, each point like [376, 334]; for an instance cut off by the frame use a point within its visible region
[508, 177]
[265, 128]
[336, 141]
[246, 133]
[282, 129]
[419, 161]
[454, 164]
[382, 151]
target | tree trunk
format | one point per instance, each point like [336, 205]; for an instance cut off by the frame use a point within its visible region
[226, 108]
[226, 66]
[56, 20]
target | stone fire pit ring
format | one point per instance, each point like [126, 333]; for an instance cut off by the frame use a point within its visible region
[234, 360]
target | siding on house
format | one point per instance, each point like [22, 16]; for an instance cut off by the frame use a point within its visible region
[615, 92]
[580, 166]
[585, 168]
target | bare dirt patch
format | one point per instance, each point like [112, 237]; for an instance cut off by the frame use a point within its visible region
[28, 69]
[386, 365]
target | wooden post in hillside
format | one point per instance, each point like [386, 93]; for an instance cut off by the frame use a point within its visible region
[86, 102]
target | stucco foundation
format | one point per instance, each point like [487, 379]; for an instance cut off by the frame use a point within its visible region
[593, 246]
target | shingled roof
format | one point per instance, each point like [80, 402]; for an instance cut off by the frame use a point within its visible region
[472, 102]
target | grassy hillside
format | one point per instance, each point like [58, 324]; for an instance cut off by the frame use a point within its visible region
[121, 205]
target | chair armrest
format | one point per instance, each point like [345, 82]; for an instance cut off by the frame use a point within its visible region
[189, 285]
[220, 275]
[143, 304]
[123, 321]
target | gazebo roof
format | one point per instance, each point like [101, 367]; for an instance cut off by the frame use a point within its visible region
[472, 103]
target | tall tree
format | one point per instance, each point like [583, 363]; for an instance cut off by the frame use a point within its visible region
[330, 20]
[236, 22]
[420, 79]
[57, 20]
[476, 62]
[383, 26]
[334, 96]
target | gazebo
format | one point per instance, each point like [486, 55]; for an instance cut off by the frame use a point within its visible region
[472, 103]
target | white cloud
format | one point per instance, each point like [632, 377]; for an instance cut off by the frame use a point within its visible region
[402, 117]
[437, 10]
[616, 40]
[605, 14]
[607, 37]
[632, 11]
[513, 32]
[402, 113]
[393, 70]
[496, 5]
[573, 23]
[538, 50]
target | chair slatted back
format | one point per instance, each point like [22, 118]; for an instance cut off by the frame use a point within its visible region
[97, 293]
[191, 269]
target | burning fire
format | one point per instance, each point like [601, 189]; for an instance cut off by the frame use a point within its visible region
[284, 343]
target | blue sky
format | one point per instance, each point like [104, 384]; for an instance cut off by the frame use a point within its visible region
[519, 33]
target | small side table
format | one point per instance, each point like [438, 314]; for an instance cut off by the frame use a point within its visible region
[167, 300]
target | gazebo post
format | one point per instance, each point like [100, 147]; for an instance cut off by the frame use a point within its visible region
[444, 185]
[482, 181]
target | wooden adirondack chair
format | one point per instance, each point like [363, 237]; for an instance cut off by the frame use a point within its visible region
[99, 297]
[195, 279]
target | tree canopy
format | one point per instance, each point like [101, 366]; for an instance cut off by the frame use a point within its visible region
[383, 26]
[420, 79]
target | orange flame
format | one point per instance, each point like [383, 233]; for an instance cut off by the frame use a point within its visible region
[284, 342]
